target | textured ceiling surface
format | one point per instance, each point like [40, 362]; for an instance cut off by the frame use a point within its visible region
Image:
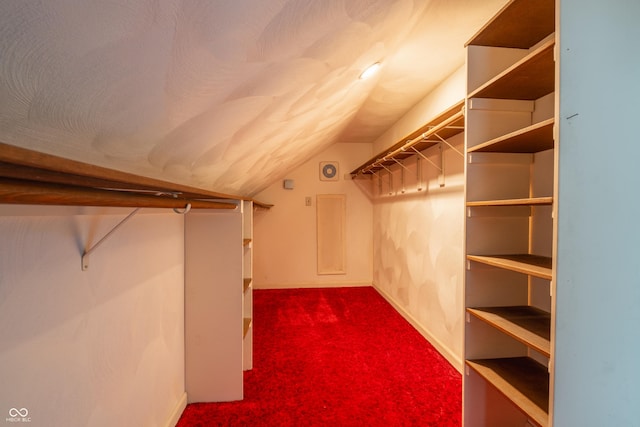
[226, 95]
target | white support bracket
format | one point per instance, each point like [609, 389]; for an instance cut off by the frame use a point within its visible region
[404, 168]
[440, 168]
[441, 174]
[379, 182]
[386, 168]
[85, 255]
[427, 159]
[419, 172]
[400, 163]
[449, 145]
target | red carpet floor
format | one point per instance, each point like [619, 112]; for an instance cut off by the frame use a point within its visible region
[337, 357]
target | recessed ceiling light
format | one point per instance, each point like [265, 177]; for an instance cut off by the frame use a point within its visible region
[370, 71]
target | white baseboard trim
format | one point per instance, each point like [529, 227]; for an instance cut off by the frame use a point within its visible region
[177, 412]
[311, 285]
[452, 358]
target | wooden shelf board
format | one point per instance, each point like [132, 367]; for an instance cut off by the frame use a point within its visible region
[246, 324]
[520, 24]
[454, 128]
[261, 205]
[246, 282]
[16, 191]
[532, 139]
[533, 265]
[520, 379]
[532, 201]
[528, 79]
[529, 325]
[32, 177]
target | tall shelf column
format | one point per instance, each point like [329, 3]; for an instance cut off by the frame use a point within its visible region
[247, 284]
[510, 238]
[214, 305]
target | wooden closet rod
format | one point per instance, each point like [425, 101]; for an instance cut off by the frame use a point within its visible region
[27, 165]
[39, 193]
[21, 163]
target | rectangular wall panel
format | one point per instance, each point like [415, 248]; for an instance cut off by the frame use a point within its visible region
[331, 219]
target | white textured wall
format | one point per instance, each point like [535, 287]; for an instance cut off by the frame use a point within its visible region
[285, 236]
[418, 235]
[102, 347]
[418, 256]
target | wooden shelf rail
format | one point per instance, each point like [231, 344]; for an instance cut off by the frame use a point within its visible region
[530, 201]
[448, 124]
[32, 177]
[39, 193]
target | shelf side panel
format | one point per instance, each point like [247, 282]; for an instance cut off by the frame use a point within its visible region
[213, 306]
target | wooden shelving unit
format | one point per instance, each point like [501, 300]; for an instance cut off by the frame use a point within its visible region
[214, 305]
[247, 288]
[510, 173]
[218, 302]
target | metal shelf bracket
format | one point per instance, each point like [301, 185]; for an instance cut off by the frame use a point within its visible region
[85, 255]
[432, 163]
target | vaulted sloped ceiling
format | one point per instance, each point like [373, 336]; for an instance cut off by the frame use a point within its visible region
[224, 95]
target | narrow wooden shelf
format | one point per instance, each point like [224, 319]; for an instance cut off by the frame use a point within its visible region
[528, 79]
[246, 282]
[32, 177]
[533, 265]
[520, 24]
[532, 201]
[246, 324]
[532, 139]
[445, 126]
[17, 191]
[246, 242]
[522, 380]
[529, 325]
